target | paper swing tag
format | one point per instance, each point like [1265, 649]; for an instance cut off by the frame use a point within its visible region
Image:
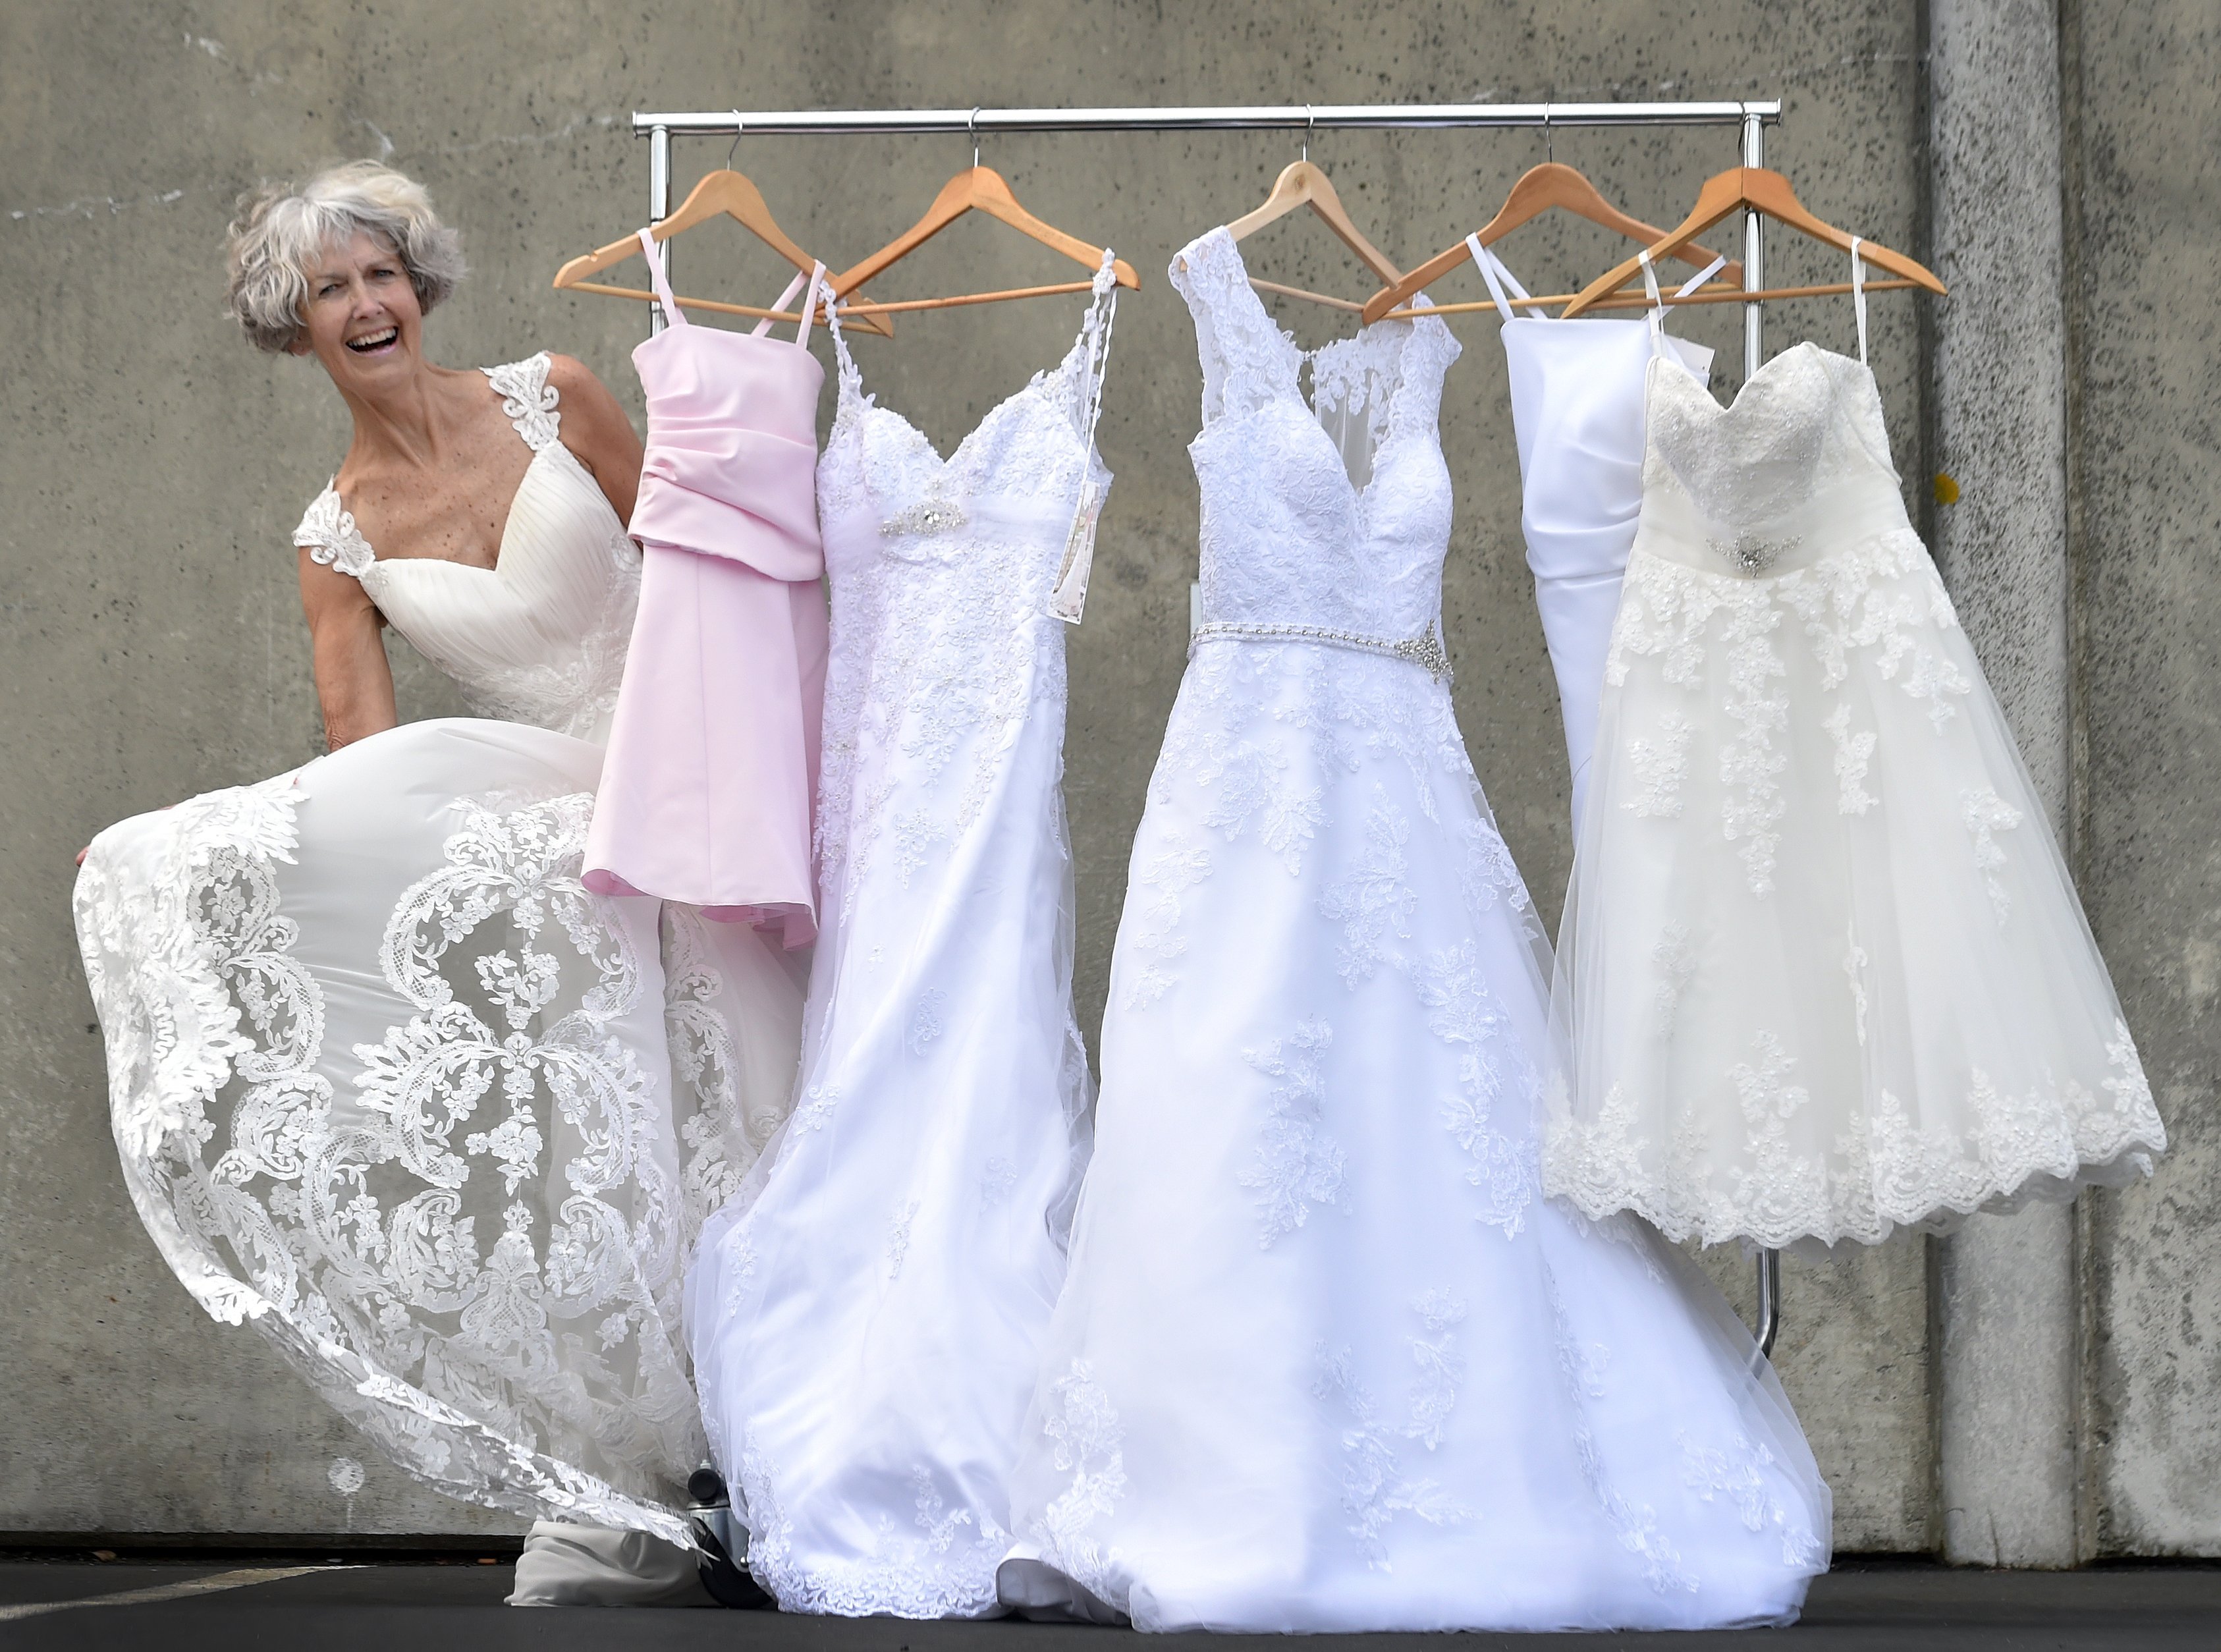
[1070, 596]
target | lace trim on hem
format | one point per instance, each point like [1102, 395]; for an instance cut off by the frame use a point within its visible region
[912, 1577]
[1889, 1180]
[190, 966]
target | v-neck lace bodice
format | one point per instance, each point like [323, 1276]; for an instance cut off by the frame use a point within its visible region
[539, 637]
[1332, 514]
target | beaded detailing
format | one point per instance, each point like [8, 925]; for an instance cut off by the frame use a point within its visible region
[926, 517]
[1748, 554]
[1426, 651]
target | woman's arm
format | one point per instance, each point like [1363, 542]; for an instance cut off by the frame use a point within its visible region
[597, 431]
[355, 684]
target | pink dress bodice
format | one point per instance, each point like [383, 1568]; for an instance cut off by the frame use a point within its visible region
[711, 783]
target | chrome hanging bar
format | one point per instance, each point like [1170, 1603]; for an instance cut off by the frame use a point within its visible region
[1262, 117]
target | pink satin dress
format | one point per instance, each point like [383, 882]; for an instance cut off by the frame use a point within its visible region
[711, 783]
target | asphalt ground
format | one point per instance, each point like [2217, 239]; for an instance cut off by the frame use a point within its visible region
[308, 1604]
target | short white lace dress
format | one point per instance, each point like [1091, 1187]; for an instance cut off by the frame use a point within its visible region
[867, 1315]
[1326, 1360]
[391, 1087]
[1822, 971]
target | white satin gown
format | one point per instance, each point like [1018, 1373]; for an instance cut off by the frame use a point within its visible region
[1577, 413]
[1326, 1360]
[867, 1315]
[390, 1085]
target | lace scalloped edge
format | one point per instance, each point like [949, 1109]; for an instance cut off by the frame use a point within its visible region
[1941, 1213]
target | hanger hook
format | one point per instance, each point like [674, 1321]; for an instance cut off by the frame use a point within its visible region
[739, 127]
[1549, 149]
[972, 125]
[1310, 122]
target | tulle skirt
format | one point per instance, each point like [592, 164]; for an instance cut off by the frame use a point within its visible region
[1822, 971]
[1325, 1359]
[390, 1085]
[867, 1313]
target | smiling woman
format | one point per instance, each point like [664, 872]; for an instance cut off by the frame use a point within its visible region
[387, 1080]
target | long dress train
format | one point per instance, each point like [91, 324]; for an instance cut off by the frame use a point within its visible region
[390, 1085]
[1325, 1359]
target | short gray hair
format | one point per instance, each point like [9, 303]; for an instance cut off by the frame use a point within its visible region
[282, 229]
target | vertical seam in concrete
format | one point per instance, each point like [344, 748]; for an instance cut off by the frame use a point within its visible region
[1923, 219]
[1923, 504]
[2074, 815]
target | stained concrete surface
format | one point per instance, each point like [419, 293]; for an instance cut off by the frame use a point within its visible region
[434, 1608]
[2143, 94]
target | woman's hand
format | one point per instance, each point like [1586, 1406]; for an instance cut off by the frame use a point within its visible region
[597, 433]
[355, 684]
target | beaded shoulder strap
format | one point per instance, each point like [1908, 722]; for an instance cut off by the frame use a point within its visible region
[528, 399]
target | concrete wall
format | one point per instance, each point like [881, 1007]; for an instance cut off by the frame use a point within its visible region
[2143, 100]
[153, 465]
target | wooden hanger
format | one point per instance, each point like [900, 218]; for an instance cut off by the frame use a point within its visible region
[724, 192]
[1302, 183]
[976, 189]
[1769, 192]
[1552, 185]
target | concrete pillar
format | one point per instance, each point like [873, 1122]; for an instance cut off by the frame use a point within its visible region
[2004, 1299]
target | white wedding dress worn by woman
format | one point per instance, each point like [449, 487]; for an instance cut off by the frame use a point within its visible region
[391, 1087]
[867, 1315]
[1823, 973]
[1325, 1359]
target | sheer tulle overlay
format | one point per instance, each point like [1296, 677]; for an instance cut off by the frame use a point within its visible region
[867, 1315]
[1823, 970]
[1326, 1359]
[389, 1084]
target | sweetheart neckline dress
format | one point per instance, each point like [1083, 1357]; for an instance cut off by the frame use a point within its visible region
[390, 1084]
[866, 1314]
[1823, 973]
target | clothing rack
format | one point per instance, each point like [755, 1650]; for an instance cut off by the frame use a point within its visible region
[1748, 117]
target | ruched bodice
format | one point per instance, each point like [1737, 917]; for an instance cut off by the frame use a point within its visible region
[539, 637]
[1334, 515]
[732, 453]
[1577, 394]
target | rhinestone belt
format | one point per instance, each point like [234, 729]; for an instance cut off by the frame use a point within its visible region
[1426, 652]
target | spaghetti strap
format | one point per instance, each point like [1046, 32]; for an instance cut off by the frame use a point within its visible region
[810, 302]
[662, 283]
[815, 279]
[1494, 272]
[1859, 293]
[1657, 312]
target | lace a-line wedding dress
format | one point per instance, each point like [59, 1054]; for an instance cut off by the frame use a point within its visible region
[1823, 973]
[391, 1087]
[1325, 1359]
[867, 1315]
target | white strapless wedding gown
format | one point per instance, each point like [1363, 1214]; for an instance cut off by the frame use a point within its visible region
[867, 1315]
[1326, 1360]
[390, 1085]
[1823, 973]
